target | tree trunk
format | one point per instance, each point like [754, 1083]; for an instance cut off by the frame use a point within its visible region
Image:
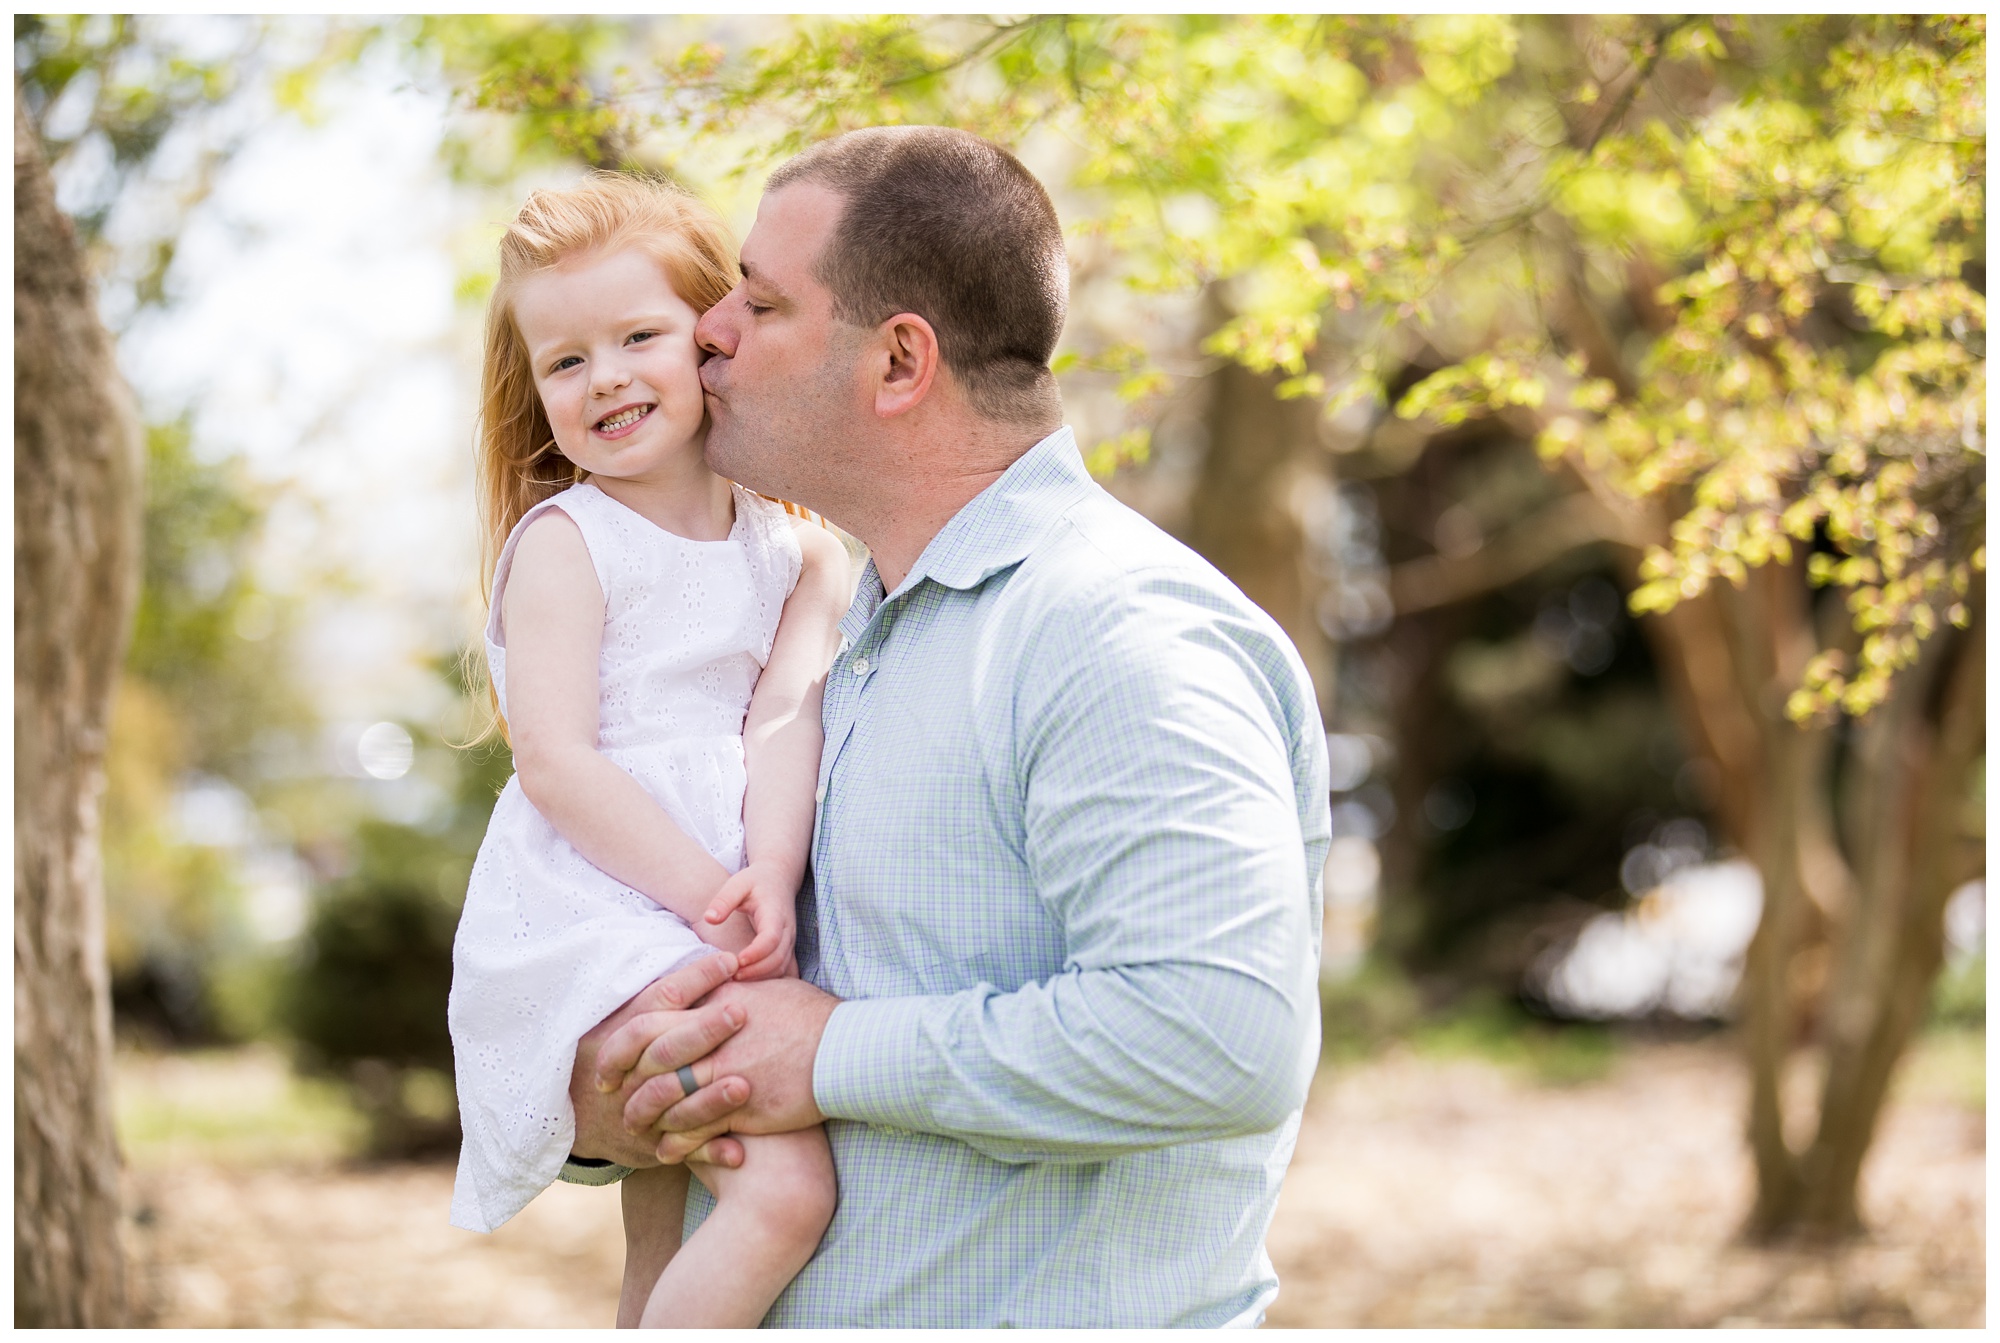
[77, 471]
[1875, 886]
[1865, 881]
[1898, 930]
[1242, 516]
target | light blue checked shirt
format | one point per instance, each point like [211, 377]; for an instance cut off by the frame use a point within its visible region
[1073, 809]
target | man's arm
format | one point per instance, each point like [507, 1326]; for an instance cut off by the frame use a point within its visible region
[1161, 808]
[1161, 820]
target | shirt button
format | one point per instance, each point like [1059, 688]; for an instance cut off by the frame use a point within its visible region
[819, 794]
[861, 667]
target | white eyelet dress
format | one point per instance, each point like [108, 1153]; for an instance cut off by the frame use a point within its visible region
[548, 944]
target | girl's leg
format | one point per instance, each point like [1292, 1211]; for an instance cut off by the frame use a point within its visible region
[769, 1215]
[655, 1200]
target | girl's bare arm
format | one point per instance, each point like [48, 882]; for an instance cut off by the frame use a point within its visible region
[781, 746]
[553, 613]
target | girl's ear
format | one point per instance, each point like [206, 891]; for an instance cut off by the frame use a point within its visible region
[912, 365]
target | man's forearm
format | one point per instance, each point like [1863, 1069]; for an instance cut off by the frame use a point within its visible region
[1091, 1065]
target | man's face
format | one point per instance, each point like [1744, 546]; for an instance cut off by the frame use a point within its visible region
[784, 394]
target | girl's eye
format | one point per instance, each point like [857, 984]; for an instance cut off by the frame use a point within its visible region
[567, 361]
[638, 336]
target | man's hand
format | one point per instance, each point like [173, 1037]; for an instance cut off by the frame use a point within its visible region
[665, 1030]
[770, 1059]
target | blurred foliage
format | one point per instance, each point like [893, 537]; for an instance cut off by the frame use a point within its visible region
[1808, 191]
[1362, 1012]
[377, 958]
[105, 84]
[1496, 1028]
[1825, 372]
[207, 638]
[365, 998]
[206, 698]
[1534, 746]
[107, 94]
[139, 114]
[549, 73]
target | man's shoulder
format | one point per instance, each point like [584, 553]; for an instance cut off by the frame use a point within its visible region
[1101, 549]
[1109, 592]
[1103, 566]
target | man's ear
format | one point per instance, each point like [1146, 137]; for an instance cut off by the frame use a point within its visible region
[912, 364]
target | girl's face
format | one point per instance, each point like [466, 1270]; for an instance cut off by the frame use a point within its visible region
[613, 353]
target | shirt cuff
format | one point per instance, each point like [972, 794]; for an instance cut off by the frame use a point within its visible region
[874, 1063]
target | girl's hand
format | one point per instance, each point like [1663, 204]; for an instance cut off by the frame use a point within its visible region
[768, 896]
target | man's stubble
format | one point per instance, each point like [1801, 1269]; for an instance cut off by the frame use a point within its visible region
[804, 441]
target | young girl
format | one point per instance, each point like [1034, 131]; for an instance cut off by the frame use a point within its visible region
[656, 639]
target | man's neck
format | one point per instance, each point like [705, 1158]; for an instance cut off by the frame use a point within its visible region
[912, 505]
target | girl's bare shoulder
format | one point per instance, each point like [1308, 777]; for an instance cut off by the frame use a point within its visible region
[818, 546]
[551, 556]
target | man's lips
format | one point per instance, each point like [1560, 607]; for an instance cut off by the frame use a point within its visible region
[710, 374]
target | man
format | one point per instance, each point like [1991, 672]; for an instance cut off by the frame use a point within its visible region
[1060, 936]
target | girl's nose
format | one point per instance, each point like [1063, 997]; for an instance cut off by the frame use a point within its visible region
[608, 376]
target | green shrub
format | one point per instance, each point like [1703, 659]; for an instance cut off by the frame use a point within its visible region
[1960, 996]
[367, 1001]
[1365, 1010]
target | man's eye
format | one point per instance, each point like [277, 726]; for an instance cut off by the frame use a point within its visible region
[756, 309]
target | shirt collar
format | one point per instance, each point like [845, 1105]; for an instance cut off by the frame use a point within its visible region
[995, 530]
[1005, 521]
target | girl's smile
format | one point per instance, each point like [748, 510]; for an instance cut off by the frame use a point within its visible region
[622, 421]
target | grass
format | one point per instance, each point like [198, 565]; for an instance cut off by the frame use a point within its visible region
[1946, 1063]
[1499, 1031]
[1378, 1006]
[233, 1107]
[1959, 997]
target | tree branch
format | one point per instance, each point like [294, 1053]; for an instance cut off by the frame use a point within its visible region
[1527, 547]
[1643, 70]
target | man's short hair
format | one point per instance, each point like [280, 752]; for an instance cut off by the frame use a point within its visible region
[951, 227]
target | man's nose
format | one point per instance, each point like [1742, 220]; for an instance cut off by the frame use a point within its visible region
[715, 333]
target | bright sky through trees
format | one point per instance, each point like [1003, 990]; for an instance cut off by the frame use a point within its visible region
[314, 332]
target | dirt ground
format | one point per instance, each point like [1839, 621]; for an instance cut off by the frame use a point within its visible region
[1425, 1192]
[1453, 1194]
